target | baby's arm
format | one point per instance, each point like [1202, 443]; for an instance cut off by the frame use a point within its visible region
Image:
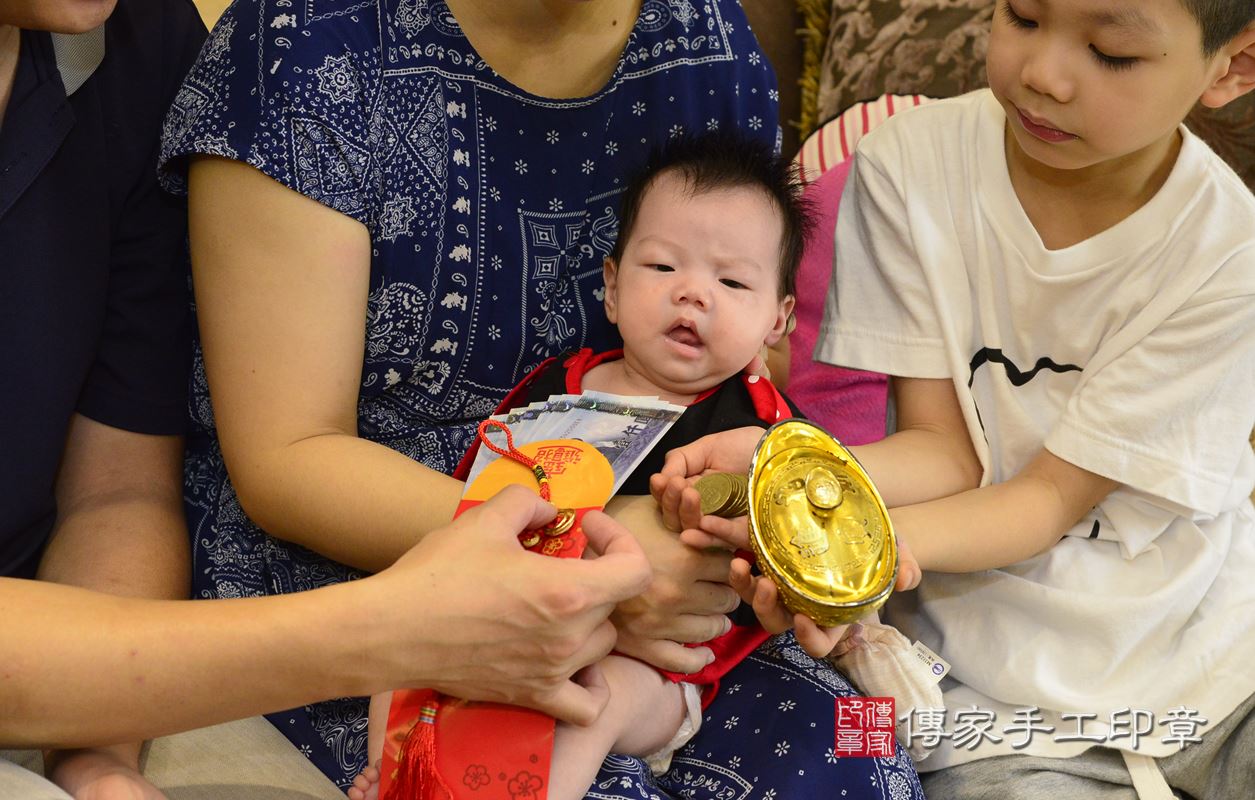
[643, 713]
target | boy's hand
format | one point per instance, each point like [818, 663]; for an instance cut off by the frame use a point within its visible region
[817, 640]
[761, 593]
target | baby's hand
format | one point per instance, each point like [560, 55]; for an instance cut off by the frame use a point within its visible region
[722, 532]
[761, 593]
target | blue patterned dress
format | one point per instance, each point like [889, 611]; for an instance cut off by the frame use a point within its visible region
[489, 210]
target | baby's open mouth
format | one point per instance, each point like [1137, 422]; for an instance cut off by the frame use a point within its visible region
[683, 333]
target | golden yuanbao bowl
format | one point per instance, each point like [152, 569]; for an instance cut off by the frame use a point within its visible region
[818, 526]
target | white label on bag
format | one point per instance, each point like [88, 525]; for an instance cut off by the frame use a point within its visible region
[937, 667]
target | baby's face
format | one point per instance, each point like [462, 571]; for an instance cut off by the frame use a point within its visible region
[697, 293]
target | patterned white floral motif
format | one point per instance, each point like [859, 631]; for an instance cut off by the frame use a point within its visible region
[654, 15]
[216, 146]
[684, 12]
[638, 108]
[219, 41]
[412, 16]
[330, 167]
[398, 215]
[390, 313]
[336, 78]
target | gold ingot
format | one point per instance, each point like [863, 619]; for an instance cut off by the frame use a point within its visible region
[823, 490]
[818, 527]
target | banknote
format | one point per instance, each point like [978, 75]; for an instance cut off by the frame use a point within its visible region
[623, 428]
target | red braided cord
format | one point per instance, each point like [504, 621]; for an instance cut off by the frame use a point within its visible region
[513, 453]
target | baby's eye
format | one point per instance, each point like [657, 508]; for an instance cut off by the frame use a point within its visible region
[662, 268]
[732, 284]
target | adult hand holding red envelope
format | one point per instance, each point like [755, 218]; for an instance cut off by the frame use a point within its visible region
[442, 747]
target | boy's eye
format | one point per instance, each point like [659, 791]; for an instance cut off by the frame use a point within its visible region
[732, 284]
[1015, 19]
[1113, 62]
[662, 268]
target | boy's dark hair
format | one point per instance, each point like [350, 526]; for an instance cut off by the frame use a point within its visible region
[726, 161]
[1220, 20]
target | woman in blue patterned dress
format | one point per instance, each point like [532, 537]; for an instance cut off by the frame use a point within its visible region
[388, 234]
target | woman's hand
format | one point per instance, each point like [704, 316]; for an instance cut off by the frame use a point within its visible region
[492, 621]
[685, 603]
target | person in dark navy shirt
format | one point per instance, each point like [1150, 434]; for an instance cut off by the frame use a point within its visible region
[93, 312]
[94, 348]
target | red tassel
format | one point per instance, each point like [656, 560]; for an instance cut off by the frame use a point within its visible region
[417, 777]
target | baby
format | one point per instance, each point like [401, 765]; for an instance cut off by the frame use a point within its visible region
[700, 281]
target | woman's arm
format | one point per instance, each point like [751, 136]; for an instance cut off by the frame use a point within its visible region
[281, 287]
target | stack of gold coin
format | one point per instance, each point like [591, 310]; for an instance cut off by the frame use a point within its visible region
[724, 494]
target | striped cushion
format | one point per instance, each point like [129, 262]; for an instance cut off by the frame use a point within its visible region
[835, 140]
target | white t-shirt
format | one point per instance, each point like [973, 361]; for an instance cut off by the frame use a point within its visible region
[1130, 354]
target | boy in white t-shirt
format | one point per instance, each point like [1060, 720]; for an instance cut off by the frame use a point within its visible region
[1061, 278]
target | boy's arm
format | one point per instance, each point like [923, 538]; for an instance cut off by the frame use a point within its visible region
[931, 454]
[928, 473]
[1004, 523]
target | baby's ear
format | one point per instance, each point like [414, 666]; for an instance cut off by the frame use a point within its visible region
[1239, 75]
[610, 274]
[784, 322]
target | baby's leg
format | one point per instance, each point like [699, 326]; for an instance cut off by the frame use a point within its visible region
[643, 714]
[366, 785]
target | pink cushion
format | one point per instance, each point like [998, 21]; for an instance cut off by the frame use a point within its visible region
[848, 403]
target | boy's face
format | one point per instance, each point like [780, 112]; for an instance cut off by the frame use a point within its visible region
[1087, 81]
[697, 293]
